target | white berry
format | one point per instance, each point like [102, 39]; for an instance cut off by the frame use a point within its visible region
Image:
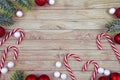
[100, 70]
[51, 2]
[4, 70]
[56, 74]
[112, 10]
[10, 64]
[63, 76]
[17, 34]
[107, 72]
[58, 64]
[19, 13]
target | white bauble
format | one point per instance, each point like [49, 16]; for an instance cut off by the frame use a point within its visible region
[4, 70]
[58, 64]
[63, 76]
[17, 34]
[10, 64]
[100, 70]
[56, 74]
[19, 13]
[51, 2]
[107, 72]
[112, 10]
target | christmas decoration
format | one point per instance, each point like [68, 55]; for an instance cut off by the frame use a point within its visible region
[40, 2]
[8, 7]
[117, 39]
[58, 64]
[96, 66]
[10, 64]
[107, 72]
[63, 76]
[56, 74]
[18, 75]
[31, 77]
[22, 35]
[4, 56]
[19, 13]
[4, 70]
[67, 66]
[51, 2]
[44, 77]
[100, 70]
[104, 78]
[112, 10]
[117, 13]
[2, 32]
[110, 42]
[113, 26]
[114, 76]
[17, 34]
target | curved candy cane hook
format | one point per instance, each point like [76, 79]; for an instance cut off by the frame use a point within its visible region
[5, 55]
[110, 42]
[68, 66]
[85, 67]
[22, 35]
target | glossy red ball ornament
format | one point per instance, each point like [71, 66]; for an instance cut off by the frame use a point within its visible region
[44, 77]
[114, 76]
[31, 77]
[104, 78]
[117, 38]
[117, 13]
[119, 76]
[41, 2]
[2, 32]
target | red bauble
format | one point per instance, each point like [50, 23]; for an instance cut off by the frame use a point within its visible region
[104, 78]
[114, 76]
[40, 2]
[117, 38]
[117, 13]
[31, 77]
[2, 31]
[44, 77]
[119, 77]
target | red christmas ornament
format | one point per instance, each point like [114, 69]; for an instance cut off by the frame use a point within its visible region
[114, 76]
[104, 78]
[117, 13]
[117, 38]
[2, 31]
[44, 77]
[41, 2]
[31, 77]
[119, 77]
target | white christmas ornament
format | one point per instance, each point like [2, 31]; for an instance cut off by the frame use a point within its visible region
[10, 64]
[63, 76]
[19, 13]
[17, 34]
[100, 70]
[107, 72]
[58, 64]
[51, 2]
[4, 70]
[112, 10]
[56, 74]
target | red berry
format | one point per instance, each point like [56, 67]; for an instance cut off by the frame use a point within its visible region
[40, 2]
[104, 78]
[31, 77]
[117, 38]
[114, 76]
[44, 77]
[2, 31]
[117, 13]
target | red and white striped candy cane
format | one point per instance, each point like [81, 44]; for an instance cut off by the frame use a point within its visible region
[11, 33]
[67, 66]
[110, 42]
[96, 66]
[5, 55]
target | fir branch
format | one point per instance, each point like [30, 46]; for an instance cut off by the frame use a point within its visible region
[113, 26]
[5, 20]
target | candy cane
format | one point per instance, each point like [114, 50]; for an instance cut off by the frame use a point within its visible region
[110, 42]
[85, 67]
[68, 66]
[11, 33]
[5, 55]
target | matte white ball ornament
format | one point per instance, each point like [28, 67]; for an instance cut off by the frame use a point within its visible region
[10, 64]
[100, 70]
[107, 72]
[58, 64]
[4, 70]
[63, 76]
[17, 34]
[19, 13]
[51, 2]
[56, 74]
[112, 10]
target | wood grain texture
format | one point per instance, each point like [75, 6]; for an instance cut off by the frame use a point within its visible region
[69, 26]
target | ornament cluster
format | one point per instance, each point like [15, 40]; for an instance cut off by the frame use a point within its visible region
[43, 2]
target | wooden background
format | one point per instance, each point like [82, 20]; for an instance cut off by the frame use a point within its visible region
[70, 26]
